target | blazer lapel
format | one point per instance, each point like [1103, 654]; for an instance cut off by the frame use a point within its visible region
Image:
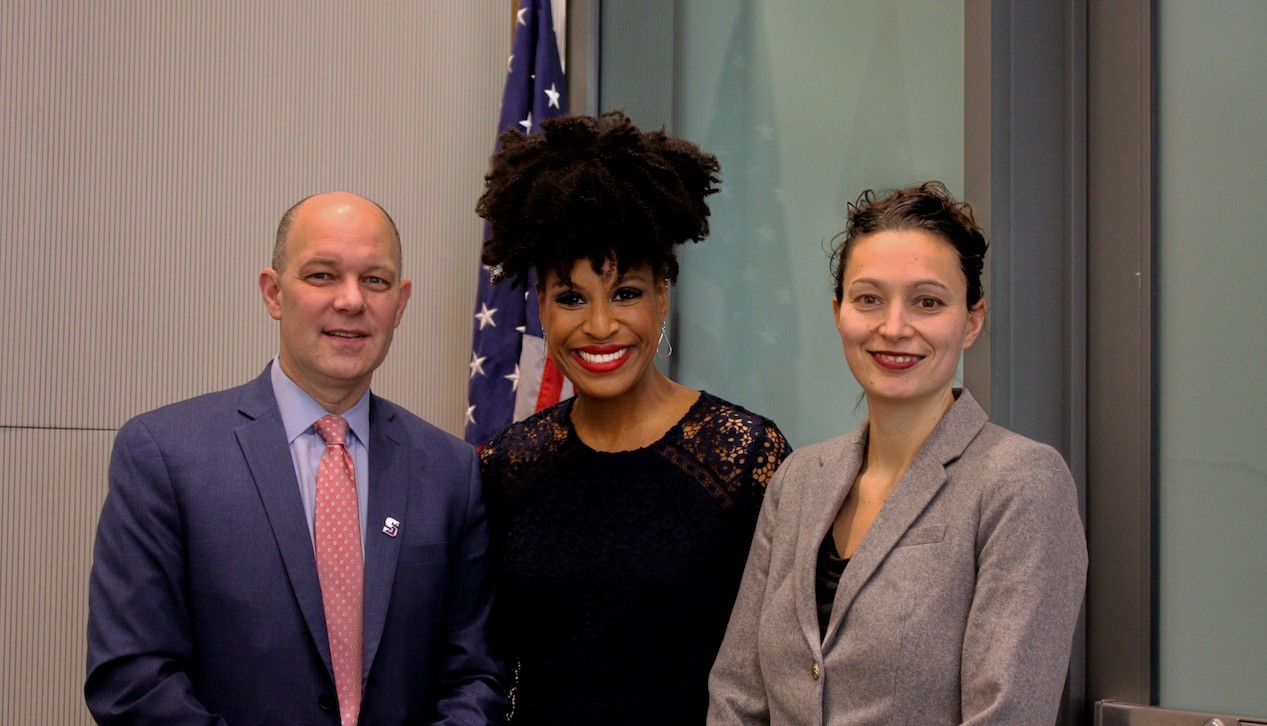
[838, 467]
[388, 497]
[916, 489]
[263, 443]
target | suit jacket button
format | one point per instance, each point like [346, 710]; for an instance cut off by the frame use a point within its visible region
[327, 702]
[815, 671]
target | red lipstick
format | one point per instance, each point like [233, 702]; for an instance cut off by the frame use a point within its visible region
[895, 361]
[601, 358]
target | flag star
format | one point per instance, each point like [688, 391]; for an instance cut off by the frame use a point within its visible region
[519, 16]
[527, 123]
[513, 378]
[470, 415]
[553, 95]
[510, 63]
[485, 315]
[767, 336]
[521, 328]
[477, 364]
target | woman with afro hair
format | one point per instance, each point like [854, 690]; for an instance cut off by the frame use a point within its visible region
[621, 517]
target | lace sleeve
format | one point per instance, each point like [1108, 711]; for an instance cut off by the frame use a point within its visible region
[768, 451]
[517, 455]
[732, 452]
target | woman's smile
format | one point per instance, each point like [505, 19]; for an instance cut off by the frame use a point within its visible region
[602, 358]
[896, 361]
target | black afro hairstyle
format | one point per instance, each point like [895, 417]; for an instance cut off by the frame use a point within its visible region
[593, 189]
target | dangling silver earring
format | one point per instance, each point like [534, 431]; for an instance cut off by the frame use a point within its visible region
[663, 341]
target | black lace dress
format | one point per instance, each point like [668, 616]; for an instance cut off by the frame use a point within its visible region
[618, 571]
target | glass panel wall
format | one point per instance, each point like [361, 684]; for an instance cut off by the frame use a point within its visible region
[806, 104]
[1211, 393]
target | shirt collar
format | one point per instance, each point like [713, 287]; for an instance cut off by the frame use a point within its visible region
[299, 410]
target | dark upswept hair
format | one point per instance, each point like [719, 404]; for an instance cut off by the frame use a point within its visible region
[597, 189]
[928, 207]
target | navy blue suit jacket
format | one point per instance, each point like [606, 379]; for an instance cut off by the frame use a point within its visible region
[204, 604]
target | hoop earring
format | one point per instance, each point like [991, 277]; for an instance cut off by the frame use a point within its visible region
[664, 340]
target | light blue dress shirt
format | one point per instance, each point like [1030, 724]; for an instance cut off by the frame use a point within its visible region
[299, 412]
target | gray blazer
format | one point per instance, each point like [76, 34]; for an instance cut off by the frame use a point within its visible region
[958, 606]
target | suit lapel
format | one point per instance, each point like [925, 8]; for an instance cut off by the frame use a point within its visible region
[263, 443]
[388, 497]
[837, 469]
[914, 491]
[917, 488]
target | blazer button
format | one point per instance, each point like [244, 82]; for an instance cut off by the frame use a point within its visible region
[815, 671]
[326, 701]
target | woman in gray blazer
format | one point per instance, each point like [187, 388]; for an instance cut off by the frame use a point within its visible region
[927, 568]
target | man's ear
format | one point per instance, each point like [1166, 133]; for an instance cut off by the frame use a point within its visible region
[271, 291]
[406, 289]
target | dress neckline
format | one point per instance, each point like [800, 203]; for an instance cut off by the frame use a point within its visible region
[691, 412]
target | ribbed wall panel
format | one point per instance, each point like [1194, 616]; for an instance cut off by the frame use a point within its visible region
[55, 483]
[150, 148]
[147, 149]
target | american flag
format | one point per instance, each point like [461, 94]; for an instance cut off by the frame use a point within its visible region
[511, 375]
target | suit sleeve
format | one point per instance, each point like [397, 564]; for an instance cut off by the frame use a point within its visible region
[736, 688]
[1032, 563]
[471, 677]
[139, 635]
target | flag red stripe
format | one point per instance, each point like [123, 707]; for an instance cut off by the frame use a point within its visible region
[551, 385]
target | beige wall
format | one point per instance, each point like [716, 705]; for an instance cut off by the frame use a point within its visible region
[146, 151]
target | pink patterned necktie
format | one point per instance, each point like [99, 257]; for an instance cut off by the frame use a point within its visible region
[339, 566]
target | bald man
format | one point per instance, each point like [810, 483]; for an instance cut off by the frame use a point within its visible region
[297, 550]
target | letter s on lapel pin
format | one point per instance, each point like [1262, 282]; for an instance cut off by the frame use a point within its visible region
[391, 526]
